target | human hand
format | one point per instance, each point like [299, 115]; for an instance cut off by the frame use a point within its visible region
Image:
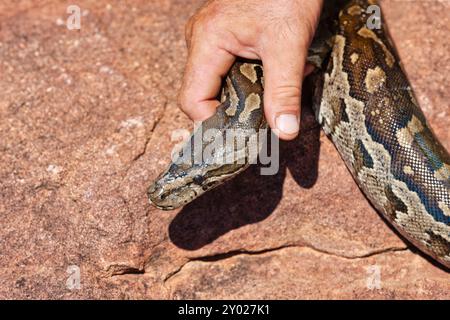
[278, 32]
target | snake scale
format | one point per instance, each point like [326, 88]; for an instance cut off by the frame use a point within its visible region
[366, 106]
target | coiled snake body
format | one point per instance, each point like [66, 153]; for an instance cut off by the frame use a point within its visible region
[366, 106]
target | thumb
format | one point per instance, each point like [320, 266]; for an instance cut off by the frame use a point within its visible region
[283, 75]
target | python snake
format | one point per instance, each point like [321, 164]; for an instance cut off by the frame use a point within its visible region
[365, 105]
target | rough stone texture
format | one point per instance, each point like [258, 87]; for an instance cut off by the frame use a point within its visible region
[86, 118]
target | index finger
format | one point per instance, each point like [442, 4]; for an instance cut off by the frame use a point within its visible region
[206, 66]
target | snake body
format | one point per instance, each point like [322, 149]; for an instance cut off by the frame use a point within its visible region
[366, 106]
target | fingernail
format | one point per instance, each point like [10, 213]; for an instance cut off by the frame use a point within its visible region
[287, 123]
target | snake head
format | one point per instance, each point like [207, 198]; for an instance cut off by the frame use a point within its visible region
[219, 149]
[174, 188]
[181, 184]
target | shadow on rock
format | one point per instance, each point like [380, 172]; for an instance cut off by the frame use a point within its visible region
[250, 197]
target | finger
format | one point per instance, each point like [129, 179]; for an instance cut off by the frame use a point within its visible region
[207, 65]
[284, 70]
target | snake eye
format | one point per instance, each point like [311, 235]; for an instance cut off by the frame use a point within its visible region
[198, 179]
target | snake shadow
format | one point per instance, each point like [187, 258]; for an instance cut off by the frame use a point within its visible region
[250, 197]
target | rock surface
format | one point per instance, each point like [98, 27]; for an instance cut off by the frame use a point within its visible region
[86, 118]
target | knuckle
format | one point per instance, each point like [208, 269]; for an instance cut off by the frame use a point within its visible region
[206, 25]
[287, 90]
[287, 96]
[212, 9]
[206, 19]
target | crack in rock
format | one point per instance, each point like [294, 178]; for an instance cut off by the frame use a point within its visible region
[147, 140]
[223, 256]
[119, 270]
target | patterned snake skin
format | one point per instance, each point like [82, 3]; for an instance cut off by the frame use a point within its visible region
[366, 106]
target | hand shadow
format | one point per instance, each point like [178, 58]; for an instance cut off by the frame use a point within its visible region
[250, 197]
